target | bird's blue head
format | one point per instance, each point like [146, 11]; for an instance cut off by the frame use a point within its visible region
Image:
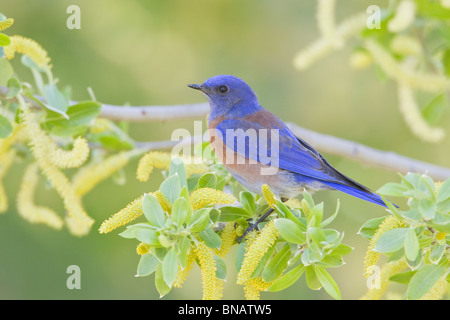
[227, 93]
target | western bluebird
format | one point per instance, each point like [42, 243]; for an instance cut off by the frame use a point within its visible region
[258, 148]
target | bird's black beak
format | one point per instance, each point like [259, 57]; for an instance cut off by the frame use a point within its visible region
[196, 86]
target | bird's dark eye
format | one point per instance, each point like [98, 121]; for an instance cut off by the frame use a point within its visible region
[223, 89]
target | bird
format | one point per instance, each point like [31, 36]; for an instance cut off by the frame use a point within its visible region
[258, 148]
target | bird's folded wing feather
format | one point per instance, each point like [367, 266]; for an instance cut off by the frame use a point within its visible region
[293, 153]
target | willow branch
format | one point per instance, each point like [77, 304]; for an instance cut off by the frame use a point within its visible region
[155, 113]
[325, 143]
[385, 159]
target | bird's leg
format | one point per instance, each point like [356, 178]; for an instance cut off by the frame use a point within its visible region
[254, 226]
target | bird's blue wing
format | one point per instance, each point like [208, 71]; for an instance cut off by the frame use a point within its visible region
[288, 153]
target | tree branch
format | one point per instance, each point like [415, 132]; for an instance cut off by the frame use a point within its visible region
[155, 113]
[325, 143]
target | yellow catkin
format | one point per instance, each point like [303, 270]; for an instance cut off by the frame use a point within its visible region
[76, 216]
[162, 160]
[413, 116]
[220, 283]
[388, 270]
[29, 47]
[438, 291]
[254, 286]
[184, 273]
[371, 258]
[228, 237]
[321, 47]
[208, 270]
[360, 59]
[90, 175]
[326, 23]
[131, 212]
[405, 45]
[5, 24]
[256, 250]
[403, 73]
[5, 163]
[207, 196]
[6, 143]
[404, 16]
[153, 159]
[165, 204]
[268, 195]
[69, 158]
[25, 203]
[142, 248]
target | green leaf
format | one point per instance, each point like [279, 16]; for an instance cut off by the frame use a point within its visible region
[317, 235]
[184, 246]
[170, 267]
[210, 238]
[177, 167]
[434, 110]
[437, 252]
[56, 101]
[441, 222]
[427, 208]
[160, 284]
[332, 217]
[6, 71]
[231, 214]
[309, 200]
[402, 277]
[153, 211]
[4, 40]
[207, 180]
[370, 227]
[114, 138]
[327, 282]
[79, 114]
[393, 189]
[221, 268]
[285, 212]
[311, 254]
[277, 264]
[248, 201]
[423, 280]
[290, 231]
[444, 191]
[199, 220]
[287, 279]
[146, 235]
[391, 240]
[147, 265]
[180, 211]
[5, 127]
[171, 188]
[240, 255]
[316, 214]
[342, 250]
[411, 244]
[14, 87]
[311, 278]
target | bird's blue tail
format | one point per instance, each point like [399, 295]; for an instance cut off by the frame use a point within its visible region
[358, 192]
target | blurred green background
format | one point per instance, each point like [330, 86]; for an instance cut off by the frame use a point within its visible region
[144, 53]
